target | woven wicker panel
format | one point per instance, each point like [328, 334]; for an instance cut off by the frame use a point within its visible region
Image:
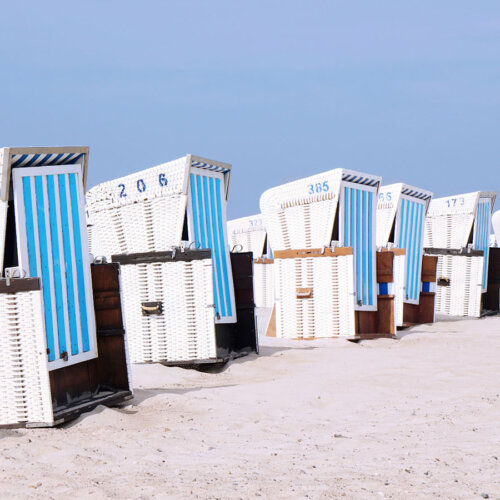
[185, 330]
[300, 214]
[24, 382]
[143, 212]
[449, 220]
[399, 287]
[263, 284]
[388, 199]
[249, 232]
[329, 311]
[463, 296]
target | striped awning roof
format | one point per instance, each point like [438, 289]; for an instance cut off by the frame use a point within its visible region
[358, 179]
[45, 159]
[208, 166]
[416, 193]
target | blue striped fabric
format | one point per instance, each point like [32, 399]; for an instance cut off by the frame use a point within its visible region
[358, 179]
[55, 247]
[416, 194]
[207, 197]
[482, 234]
[358, 234]
[411, 226]
[38, 160]
[208, 166]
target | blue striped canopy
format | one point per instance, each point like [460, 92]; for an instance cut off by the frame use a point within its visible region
[208, 166]
[45, 159]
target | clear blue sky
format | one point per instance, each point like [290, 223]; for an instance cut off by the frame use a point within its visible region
[409, 90]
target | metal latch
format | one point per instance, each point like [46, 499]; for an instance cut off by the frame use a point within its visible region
[151, 308]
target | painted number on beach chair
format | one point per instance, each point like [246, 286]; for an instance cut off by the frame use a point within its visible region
[141, 185]
[385, 196]
[255, 222]
[319, 187]
[453, 202]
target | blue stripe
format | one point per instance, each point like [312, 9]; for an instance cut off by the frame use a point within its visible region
[426, 286]
[80, 277]
[57, 158]
[216, 256]
[56, 264]
[15, 163]
[401, 225]
[409, 221]
[412, 244]
[45, 272]
[347, 241]
[221, 237]
[383, 288]
[68, 264]
[371, 249]
[209, 229]
[358, 248]
[418, 248]
[44, 160]
[30, 229]
[364, 249]
[33, 160]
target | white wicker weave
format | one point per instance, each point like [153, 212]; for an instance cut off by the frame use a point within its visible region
[463, 295]
[263, 283]
[249, 233]
[450, 220]
[185, 330]
[142, 212]
[329, 311]
[25, 395]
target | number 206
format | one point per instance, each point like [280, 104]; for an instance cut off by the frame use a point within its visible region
[141, 185]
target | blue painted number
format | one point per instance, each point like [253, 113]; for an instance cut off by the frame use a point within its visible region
[319, 187]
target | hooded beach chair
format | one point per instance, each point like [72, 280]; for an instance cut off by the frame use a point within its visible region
[322, 232]
[248, 234]
[166, 225]
[401, 212]
[457, 232]
[63, 342]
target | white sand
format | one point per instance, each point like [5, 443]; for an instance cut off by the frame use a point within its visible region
[414, 418]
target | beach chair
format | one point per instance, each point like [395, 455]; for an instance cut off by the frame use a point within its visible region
[160, 222]
[401, 212]
[248, 234]
[323, 215]
[457, 232]
[64, 348]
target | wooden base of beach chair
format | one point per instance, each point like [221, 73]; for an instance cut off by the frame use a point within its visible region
[491, 298]
[379, 323]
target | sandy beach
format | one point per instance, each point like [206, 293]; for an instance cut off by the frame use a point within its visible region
[417, 417]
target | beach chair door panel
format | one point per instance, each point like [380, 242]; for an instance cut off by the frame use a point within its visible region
[409, 234]
[481, 237]
[357, 230]
[207, 224]
[52, 245]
